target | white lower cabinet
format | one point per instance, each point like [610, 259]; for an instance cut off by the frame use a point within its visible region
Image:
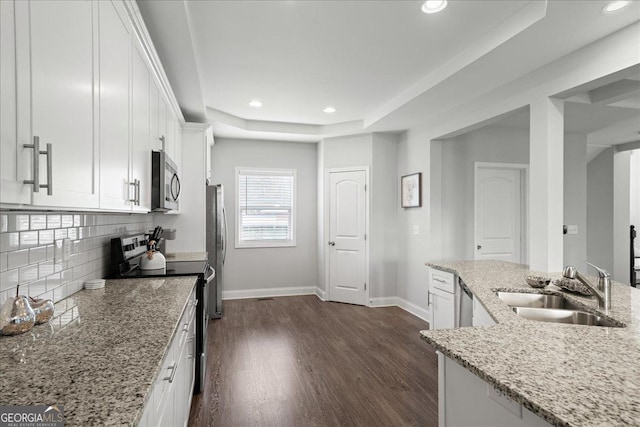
[466, 400]
[170, 400]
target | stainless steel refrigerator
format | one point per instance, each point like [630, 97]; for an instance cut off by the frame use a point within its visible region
[216, 245]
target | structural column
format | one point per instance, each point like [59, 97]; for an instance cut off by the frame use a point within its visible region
[546, 184]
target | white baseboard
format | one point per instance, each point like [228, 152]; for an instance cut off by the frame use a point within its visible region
[269, 292]
[320, 293]
[414, 309]
[383, 302]
[403, 304]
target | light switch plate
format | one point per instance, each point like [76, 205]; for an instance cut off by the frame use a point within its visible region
[66, 249]
[58, 251]
[416, 230]
[572, 229]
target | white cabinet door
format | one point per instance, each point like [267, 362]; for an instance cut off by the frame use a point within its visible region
[162, 125]
[59, 59]
[15, 165]
[141, 133]
[114, 109]
[154, 111]
[443, 309]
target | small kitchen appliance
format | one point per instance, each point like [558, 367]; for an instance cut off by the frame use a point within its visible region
[126, 255]
[165, 183]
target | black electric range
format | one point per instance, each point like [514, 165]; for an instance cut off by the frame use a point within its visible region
[125, 255]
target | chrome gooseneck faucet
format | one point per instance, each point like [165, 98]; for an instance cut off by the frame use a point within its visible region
[602, 292]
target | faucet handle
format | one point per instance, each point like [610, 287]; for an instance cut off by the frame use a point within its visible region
[602, 273]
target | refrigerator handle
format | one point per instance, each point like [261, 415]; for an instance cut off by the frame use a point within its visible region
[226, 235]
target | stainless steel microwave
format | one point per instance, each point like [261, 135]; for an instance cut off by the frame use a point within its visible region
[165, 183]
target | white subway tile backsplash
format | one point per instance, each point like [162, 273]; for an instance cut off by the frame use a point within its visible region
[29, 273]
[46, 237]
[60, 233]
[4, 261]
[27, 251]
[38, 222]
[9, 279]
[18, 258]
[18, 222]
[45, 269]
[37, 255]
[67, 221]
[53, 281]
[28, 239]
[38, 287]
[53, 221]
[9, 242]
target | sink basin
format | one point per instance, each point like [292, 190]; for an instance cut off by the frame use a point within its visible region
[520, 299]
[574, 317]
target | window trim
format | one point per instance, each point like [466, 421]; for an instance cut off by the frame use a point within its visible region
[294, 200]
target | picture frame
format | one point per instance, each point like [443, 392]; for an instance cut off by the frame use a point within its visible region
[411, 190]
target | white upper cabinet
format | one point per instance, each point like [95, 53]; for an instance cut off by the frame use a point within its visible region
[14, 158]
[140, 171]
[55, 45]
[115, 43]
[80, 108]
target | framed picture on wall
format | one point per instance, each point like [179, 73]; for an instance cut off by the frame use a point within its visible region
[411, 191]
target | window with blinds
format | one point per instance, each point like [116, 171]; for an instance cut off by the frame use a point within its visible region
[266, 207]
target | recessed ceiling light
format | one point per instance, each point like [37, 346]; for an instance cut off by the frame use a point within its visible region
[433, 6]
[329, 110]
[255, 103]
[615, 6]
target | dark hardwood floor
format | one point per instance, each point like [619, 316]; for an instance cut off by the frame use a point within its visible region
[298, 361]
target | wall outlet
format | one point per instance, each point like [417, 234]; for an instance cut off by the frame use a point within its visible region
[416, 230]
[572, 229]
[58, 251]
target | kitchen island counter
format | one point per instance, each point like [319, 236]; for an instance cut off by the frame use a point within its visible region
[569, 375]
[100, 354]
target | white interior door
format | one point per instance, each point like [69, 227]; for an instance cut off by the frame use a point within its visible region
[347, 246]
[498, 213]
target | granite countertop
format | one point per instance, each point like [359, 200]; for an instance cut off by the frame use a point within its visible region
[186, 256]
[570, 375]
[100, 353]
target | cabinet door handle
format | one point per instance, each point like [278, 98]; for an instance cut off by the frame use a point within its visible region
[137, 181]
[35, 182]
[133, 184]
[438, 280]
[173, 368]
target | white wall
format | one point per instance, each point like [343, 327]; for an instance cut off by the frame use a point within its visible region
[575, 199]
[606, 56]
[384, 218]
[621, 216]
[379, 153]
[270, 271]
[490, 144]
[600, 210]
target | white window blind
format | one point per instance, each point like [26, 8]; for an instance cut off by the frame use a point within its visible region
[266, 214]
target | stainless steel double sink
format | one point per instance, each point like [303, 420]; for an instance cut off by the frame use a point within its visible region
[552, 308]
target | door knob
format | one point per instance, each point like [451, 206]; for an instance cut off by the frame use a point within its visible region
[332, 243]
[479, 247]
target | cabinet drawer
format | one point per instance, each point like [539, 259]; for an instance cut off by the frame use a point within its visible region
[442, 280]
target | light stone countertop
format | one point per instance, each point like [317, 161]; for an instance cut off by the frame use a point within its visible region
[100, 353]
[186, 256]
[570, 375]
